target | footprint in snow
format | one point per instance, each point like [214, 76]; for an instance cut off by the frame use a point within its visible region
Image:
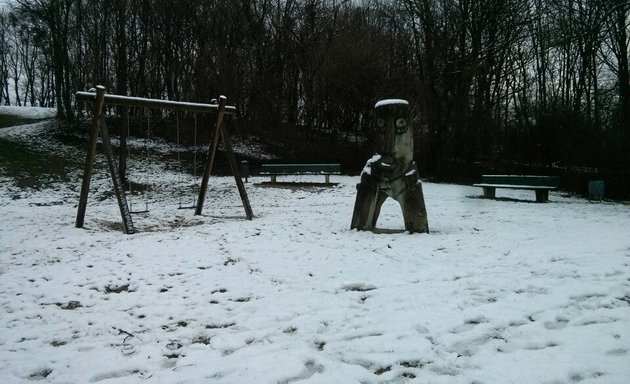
[559, 323]
[469, 324]
[617, 352]
[116, 375]
[357, 287]
[541, 345]
[591, 320]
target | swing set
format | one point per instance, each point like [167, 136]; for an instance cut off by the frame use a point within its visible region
[100, 98]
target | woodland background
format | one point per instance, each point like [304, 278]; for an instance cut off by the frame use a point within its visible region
[518, 86]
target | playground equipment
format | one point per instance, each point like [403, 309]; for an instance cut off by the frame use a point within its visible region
[100, 98]
[391, 172]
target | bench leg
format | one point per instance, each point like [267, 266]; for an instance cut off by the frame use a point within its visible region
[489, 192]
[542, 195]
[327, 179]
[273, 179]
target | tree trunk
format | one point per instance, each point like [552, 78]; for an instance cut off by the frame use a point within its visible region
[621, 17]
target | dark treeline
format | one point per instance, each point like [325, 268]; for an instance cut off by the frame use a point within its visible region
[532, 86]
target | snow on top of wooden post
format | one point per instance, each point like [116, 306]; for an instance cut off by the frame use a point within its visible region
[391, 101]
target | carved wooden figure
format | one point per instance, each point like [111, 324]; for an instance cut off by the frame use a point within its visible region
[391, 172]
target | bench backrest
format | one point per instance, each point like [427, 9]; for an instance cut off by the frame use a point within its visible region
[537, 181]
[315, 169]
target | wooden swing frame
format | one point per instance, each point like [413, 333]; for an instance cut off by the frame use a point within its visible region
[100, 98]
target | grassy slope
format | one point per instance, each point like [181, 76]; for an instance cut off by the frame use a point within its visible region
[36, 163]
[9, 120]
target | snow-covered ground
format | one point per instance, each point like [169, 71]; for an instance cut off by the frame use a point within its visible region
[500, 291]
[31, 113]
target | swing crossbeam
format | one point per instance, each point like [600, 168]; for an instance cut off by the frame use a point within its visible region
[100, 98]
[90, 97]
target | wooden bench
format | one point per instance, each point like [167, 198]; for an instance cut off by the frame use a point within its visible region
[541, 184]
[275, 170]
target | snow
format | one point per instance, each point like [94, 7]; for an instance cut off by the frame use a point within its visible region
[27, 112]
[390, 102]
[367, 169]
[501, 291]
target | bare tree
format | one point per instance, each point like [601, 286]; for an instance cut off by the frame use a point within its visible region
[54, 16]
[5, 52]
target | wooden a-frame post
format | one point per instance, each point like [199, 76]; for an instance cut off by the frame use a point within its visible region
[220, 130]
[98, 125]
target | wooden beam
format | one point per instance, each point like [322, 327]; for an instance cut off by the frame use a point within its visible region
[155, 103]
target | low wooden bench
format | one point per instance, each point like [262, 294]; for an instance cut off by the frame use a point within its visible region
[275, 170]
[541, 184]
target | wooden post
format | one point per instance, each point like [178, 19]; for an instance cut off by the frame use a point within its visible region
[227, 143]
[542, 195]
[212, 150]
[89, 160]
[489, 192]
[114, 172]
